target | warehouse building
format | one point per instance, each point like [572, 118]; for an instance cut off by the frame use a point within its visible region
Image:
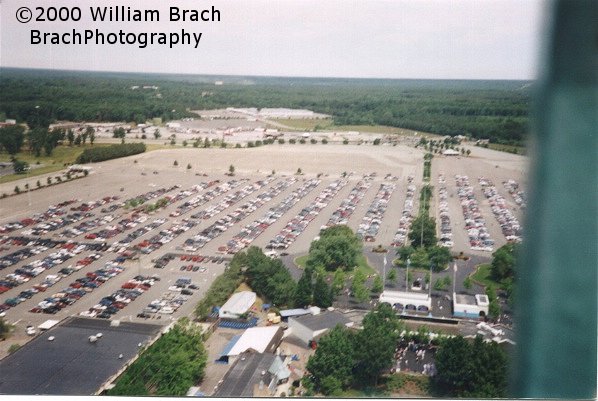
[256, 339]
[310, 327]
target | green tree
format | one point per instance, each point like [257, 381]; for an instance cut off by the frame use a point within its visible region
[376, 343]
[330, 368]
[358, 287]
[5, 329]
[420, 257]
[176, 163]
[37, 139]
[337, 247]
[303, 294]
[503, 262]
[494, 307]
[439, 256]
[91, 133]
[231, 170]
[467, 283]
[423, 231]
[323, 295]
[78, 140]
[12, 138]
[472, 370]
[70, 136]
[19, 166]
[157, 134]
[119, 133]
[338, 281]
[405, 252]
[391, 276]
[377, 285]
[468, 152]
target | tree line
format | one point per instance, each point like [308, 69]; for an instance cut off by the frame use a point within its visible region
[497, 110]
[93, 155]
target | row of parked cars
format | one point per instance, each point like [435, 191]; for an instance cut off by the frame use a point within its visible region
[164, 236]
[221, 225]
[199, 200]
[347, 207]
[446, 231]
[509, 224]
[53, 211]
[518, 195]
[231, 199]
[400, 238]
[475, 224]
[79, 287]
[370, 224]
[136, 234]
[254, 229]
[299, 223]
[171, 300]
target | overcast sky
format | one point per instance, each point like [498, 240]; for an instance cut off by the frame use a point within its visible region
[457, 39]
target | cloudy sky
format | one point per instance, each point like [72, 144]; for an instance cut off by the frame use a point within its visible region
[457, 39]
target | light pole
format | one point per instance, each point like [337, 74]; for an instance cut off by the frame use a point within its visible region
[407, 275]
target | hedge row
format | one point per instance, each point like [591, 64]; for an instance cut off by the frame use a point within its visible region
[93, 155]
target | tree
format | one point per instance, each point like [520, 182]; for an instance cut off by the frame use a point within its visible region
[188, 166]
[70, 136]
[231, 170]
[358, 288]
[376, 343]
[439, 256]
[323, 295]
[17, 190]
[377, 285]
[206, 142]
[19, 166]
[176, 163]
[423, 231]
[392, 276]
[338, 281]
[494, 307]
[12, 138]
[78, 140]
[337, 247]
[303, 294]
[84, 136]
[91, 132]
[420, 257]
[405, 252]
[185, 143]
[503, 262]
[330, 368]
[468, 152]
[467, 283]
[299, 171]
[477, 370]
[119, 133]
[157, 134]
[5, 329]
[37, 138]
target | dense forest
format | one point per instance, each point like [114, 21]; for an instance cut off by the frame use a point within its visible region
[497, 110]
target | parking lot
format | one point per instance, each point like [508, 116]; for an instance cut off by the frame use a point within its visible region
[94, 246]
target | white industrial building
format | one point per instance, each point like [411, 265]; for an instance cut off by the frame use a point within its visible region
[470, 306]
[255, 339]
[238, 304]
[407, 300]
[310, 327]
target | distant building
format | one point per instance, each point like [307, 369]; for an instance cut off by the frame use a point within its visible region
[450, 152]
[238, 304]
[470, 306]
[310, 327]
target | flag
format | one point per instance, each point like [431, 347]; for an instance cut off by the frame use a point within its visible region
[455, 266]
[385, 262]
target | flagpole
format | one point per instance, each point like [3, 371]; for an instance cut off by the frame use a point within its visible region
[384, 273]
[407, 276]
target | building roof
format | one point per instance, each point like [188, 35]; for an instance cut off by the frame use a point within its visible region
[238, 303]
[450, 152]
[322, 321]
[294, 312]
[464, 299]
[255, 338]
[71, 364]
[245, 374]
